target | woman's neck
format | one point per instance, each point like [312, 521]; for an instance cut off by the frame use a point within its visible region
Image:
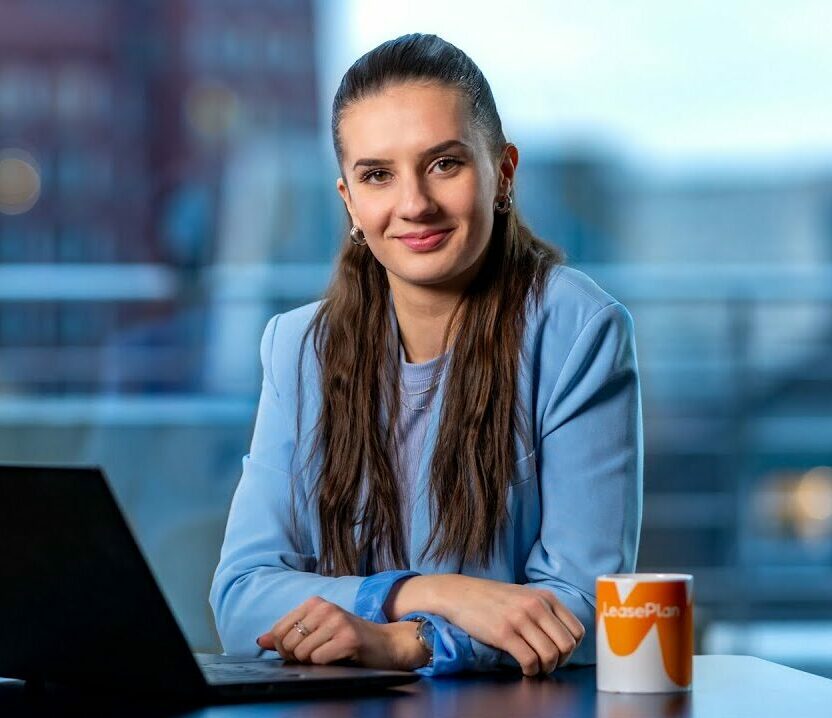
[423, 311]
[422, 314]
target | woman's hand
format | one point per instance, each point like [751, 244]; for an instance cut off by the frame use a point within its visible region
[529, 623]
[334, 634]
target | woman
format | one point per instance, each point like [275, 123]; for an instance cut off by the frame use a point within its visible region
[447, 449]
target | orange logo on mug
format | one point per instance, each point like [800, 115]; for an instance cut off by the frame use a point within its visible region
[628, 608]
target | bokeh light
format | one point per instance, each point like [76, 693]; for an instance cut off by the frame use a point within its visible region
[212, 109]
[795, 503]
[20, 181]
[812, 502]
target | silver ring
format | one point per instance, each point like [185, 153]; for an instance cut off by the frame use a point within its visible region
[300, 628]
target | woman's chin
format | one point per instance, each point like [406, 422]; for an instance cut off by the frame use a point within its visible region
[426, 279]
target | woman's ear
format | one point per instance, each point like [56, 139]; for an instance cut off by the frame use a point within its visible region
[344, 191]
[508, 166]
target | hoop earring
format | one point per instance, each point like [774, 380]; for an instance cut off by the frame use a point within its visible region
[503, 205]
[357, 236]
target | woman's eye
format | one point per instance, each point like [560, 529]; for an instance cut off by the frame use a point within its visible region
[446, 164]
[374, 176]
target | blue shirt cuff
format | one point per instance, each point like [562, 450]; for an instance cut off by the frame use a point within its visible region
[452, 651]
[373, 592]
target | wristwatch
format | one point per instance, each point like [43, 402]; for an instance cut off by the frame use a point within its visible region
[425, 635]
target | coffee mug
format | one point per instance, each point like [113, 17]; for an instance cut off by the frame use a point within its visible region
[644, 632]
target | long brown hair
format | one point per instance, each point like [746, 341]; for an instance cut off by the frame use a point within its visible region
[473, 461]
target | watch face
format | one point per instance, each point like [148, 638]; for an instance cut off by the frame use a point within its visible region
[428, 632]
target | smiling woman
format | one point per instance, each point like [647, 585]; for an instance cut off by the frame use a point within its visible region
[425, 194]
[448, 446]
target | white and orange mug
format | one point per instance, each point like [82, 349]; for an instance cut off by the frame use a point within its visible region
[644, 632]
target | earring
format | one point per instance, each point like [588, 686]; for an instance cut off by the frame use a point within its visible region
[357, 236]
[503, 205]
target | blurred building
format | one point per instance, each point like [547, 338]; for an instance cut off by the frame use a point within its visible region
[142, 125]
[153, 155]
[729, 283]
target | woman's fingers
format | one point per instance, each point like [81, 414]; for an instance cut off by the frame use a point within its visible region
[330, 633]
[274, 639]
[564, 641]
[544, 632]
[333, 650]
[321, 621]
[545, 648]
[293, 637]
[318, 613]
[320, 635]
[523, 653]
[266, 641]
[541, 644]
[566, 617]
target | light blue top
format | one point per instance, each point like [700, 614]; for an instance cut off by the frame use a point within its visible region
[417, 390]
[574, 504]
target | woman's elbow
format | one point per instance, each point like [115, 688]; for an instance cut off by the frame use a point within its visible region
[224, 601]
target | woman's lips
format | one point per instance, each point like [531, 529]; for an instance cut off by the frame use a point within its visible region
[427, 243]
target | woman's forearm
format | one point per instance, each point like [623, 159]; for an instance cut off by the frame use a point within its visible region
[431, 594]
[406, 650]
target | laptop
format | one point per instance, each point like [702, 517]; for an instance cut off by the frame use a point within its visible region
[80, 608]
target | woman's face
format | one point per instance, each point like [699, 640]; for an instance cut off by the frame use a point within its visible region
[419, 180]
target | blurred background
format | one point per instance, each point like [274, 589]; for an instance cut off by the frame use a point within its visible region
[167, 184]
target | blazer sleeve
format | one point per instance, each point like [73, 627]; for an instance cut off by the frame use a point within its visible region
[267, 562]
[590, 463]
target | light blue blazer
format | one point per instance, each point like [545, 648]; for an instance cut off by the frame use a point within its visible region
[574, 503]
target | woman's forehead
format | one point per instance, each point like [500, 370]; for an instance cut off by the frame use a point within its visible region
[405, 119]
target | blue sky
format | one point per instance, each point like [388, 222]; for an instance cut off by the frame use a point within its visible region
[671, 84]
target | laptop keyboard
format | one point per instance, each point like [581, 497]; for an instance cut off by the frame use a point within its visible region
[248, 672]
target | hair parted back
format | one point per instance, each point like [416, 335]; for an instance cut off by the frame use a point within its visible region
[473, 461]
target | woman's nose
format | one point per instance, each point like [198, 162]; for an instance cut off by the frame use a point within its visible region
[414, 201]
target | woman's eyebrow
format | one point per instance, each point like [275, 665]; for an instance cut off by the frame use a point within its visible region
[441, 147]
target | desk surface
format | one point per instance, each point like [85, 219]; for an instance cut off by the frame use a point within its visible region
[724, 687]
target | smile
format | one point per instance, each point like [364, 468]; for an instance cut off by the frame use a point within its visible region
[425, 244]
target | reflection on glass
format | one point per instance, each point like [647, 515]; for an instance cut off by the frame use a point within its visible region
[639, 705]
[488, 695]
